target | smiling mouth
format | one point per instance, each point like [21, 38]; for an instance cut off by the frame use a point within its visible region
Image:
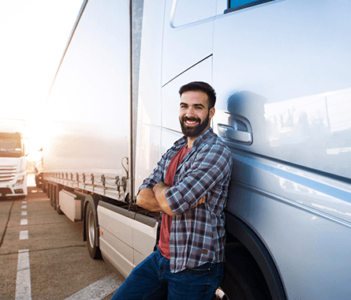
[191, 122]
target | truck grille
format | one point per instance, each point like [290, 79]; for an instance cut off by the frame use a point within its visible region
[7, 173]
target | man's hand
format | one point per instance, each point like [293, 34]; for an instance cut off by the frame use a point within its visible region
[160, 187]
[202, 200]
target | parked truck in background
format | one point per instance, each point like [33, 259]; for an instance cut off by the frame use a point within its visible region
[13, 152]
[281, 70]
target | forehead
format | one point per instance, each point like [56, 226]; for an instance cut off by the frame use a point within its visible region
[194, 97]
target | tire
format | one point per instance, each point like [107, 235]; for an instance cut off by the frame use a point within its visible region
[91, 230]
[58, 209]
[243, 279]
[39, 181]
[54, 193]
[50, 188]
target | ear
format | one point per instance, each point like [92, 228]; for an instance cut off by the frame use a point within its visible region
[212, 112]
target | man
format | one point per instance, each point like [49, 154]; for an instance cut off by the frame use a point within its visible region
[190, 186]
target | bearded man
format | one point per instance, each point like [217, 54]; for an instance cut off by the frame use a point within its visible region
[189, 186]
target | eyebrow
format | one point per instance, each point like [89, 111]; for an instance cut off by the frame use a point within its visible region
[196, 105]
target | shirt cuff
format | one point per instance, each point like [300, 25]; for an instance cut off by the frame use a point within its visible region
[145, 186]
[176, 201]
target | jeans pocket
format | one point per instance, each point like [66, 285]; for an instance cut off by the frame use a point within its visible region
[206, 268]
[199, 277]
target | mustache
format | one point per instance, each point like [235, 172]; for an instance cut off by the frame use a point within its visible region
[184, 119]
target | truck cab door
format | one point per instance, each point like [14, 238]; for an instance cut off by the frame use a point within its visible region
[187, 56]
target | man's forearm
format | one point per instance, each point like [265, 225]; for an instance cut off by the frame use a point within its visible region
[155, 200]
[146, 199]
[160, 195]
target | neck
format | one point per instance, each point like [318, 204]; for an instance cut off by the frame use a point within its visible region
[191, 141]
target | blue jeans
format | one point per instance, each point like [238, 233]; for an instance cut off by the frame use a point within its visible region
[152, 279]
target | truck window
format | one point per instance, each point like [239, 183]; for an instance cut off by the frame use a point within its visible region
[234, 5]
[10, 145]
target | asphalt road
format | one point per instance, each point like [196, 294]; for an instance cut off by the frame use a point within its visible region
[43, 256]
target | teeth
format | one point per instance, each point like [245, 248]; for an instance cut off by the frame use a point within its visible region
[191, 122]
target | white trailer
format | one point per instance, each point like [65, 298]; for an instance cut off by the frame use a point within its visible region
[281, 70]
[13, 162]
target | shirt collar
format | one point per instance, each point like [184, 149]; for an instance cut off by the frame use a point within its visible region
[200, 139]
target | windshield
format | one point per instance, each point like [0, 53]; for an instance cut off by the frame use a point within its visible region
[10, 145]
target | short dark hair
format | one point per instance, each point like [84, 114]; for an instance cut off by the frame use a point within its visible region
[199, 86]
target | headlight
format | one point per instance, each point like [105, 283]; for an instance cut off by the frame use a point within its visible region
[20, 181]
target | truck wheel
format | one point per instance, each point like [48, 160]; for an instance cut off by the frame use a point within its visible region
[38, 181]
[58, 209]
[50, 188]
[243, 279]
[44, 188]
[54, 193]
[90, 226]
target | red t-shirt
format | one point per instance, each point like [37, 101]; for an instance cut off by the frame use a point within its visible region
[163, 243]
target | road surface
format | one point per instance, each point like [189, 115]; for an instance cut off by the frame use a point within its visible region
[43, 256]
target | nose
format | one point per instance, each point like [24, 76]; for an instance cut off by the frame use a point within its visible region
[190, 112]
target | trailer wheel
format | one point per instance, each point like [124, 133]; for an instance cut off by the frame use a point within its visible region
[54, 193]
[58, 209]
[242, 278]
[91, 230]
[44, 188]
[50, 188]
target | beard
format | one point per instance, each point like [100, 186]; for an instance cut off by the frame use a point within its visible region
[194, 131]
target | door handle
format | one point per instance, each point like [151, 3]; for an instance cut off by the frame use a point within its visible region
[233, 134]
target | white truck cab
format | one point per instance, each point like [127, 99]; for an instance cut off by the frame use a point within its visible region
[13, 152]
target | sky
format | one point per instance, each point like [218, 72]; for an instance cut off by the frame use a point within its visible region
[33, 37]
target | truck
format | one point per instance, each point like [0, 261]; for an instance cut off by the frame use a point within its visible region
[13, 162]
[281, 71]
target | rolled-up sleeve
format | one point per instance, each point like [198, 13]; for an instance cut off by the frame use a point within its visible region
[211, 165]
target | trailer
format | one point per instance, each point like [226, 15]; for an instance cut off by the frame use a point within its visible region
[281, 70]
[13, 161]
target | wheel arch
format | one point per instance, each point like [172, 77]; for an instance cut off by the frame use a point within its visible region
[246, 236]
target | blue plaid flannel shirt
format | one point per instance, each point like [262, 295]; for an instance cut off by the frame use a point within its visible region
[197, 234]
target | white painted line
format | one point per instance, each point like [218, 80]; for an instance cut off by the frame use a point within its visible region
[99, 289]
[24, 221]
[23, 285]
[24, 206]
[24, 202]
[24, 213]
[23, 235]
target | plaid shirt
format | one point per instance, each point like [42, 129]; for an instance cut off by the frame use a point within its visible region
[197, 234]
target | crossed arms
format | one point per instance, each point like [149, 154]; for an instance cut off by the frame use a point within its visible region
[212, 165]
[155, 199]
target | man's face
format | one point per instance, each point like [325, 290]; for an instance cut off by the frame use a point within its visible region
[194, 115]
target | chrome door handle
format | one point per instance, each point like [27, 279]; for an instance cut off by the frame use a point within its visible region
[233, 134]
